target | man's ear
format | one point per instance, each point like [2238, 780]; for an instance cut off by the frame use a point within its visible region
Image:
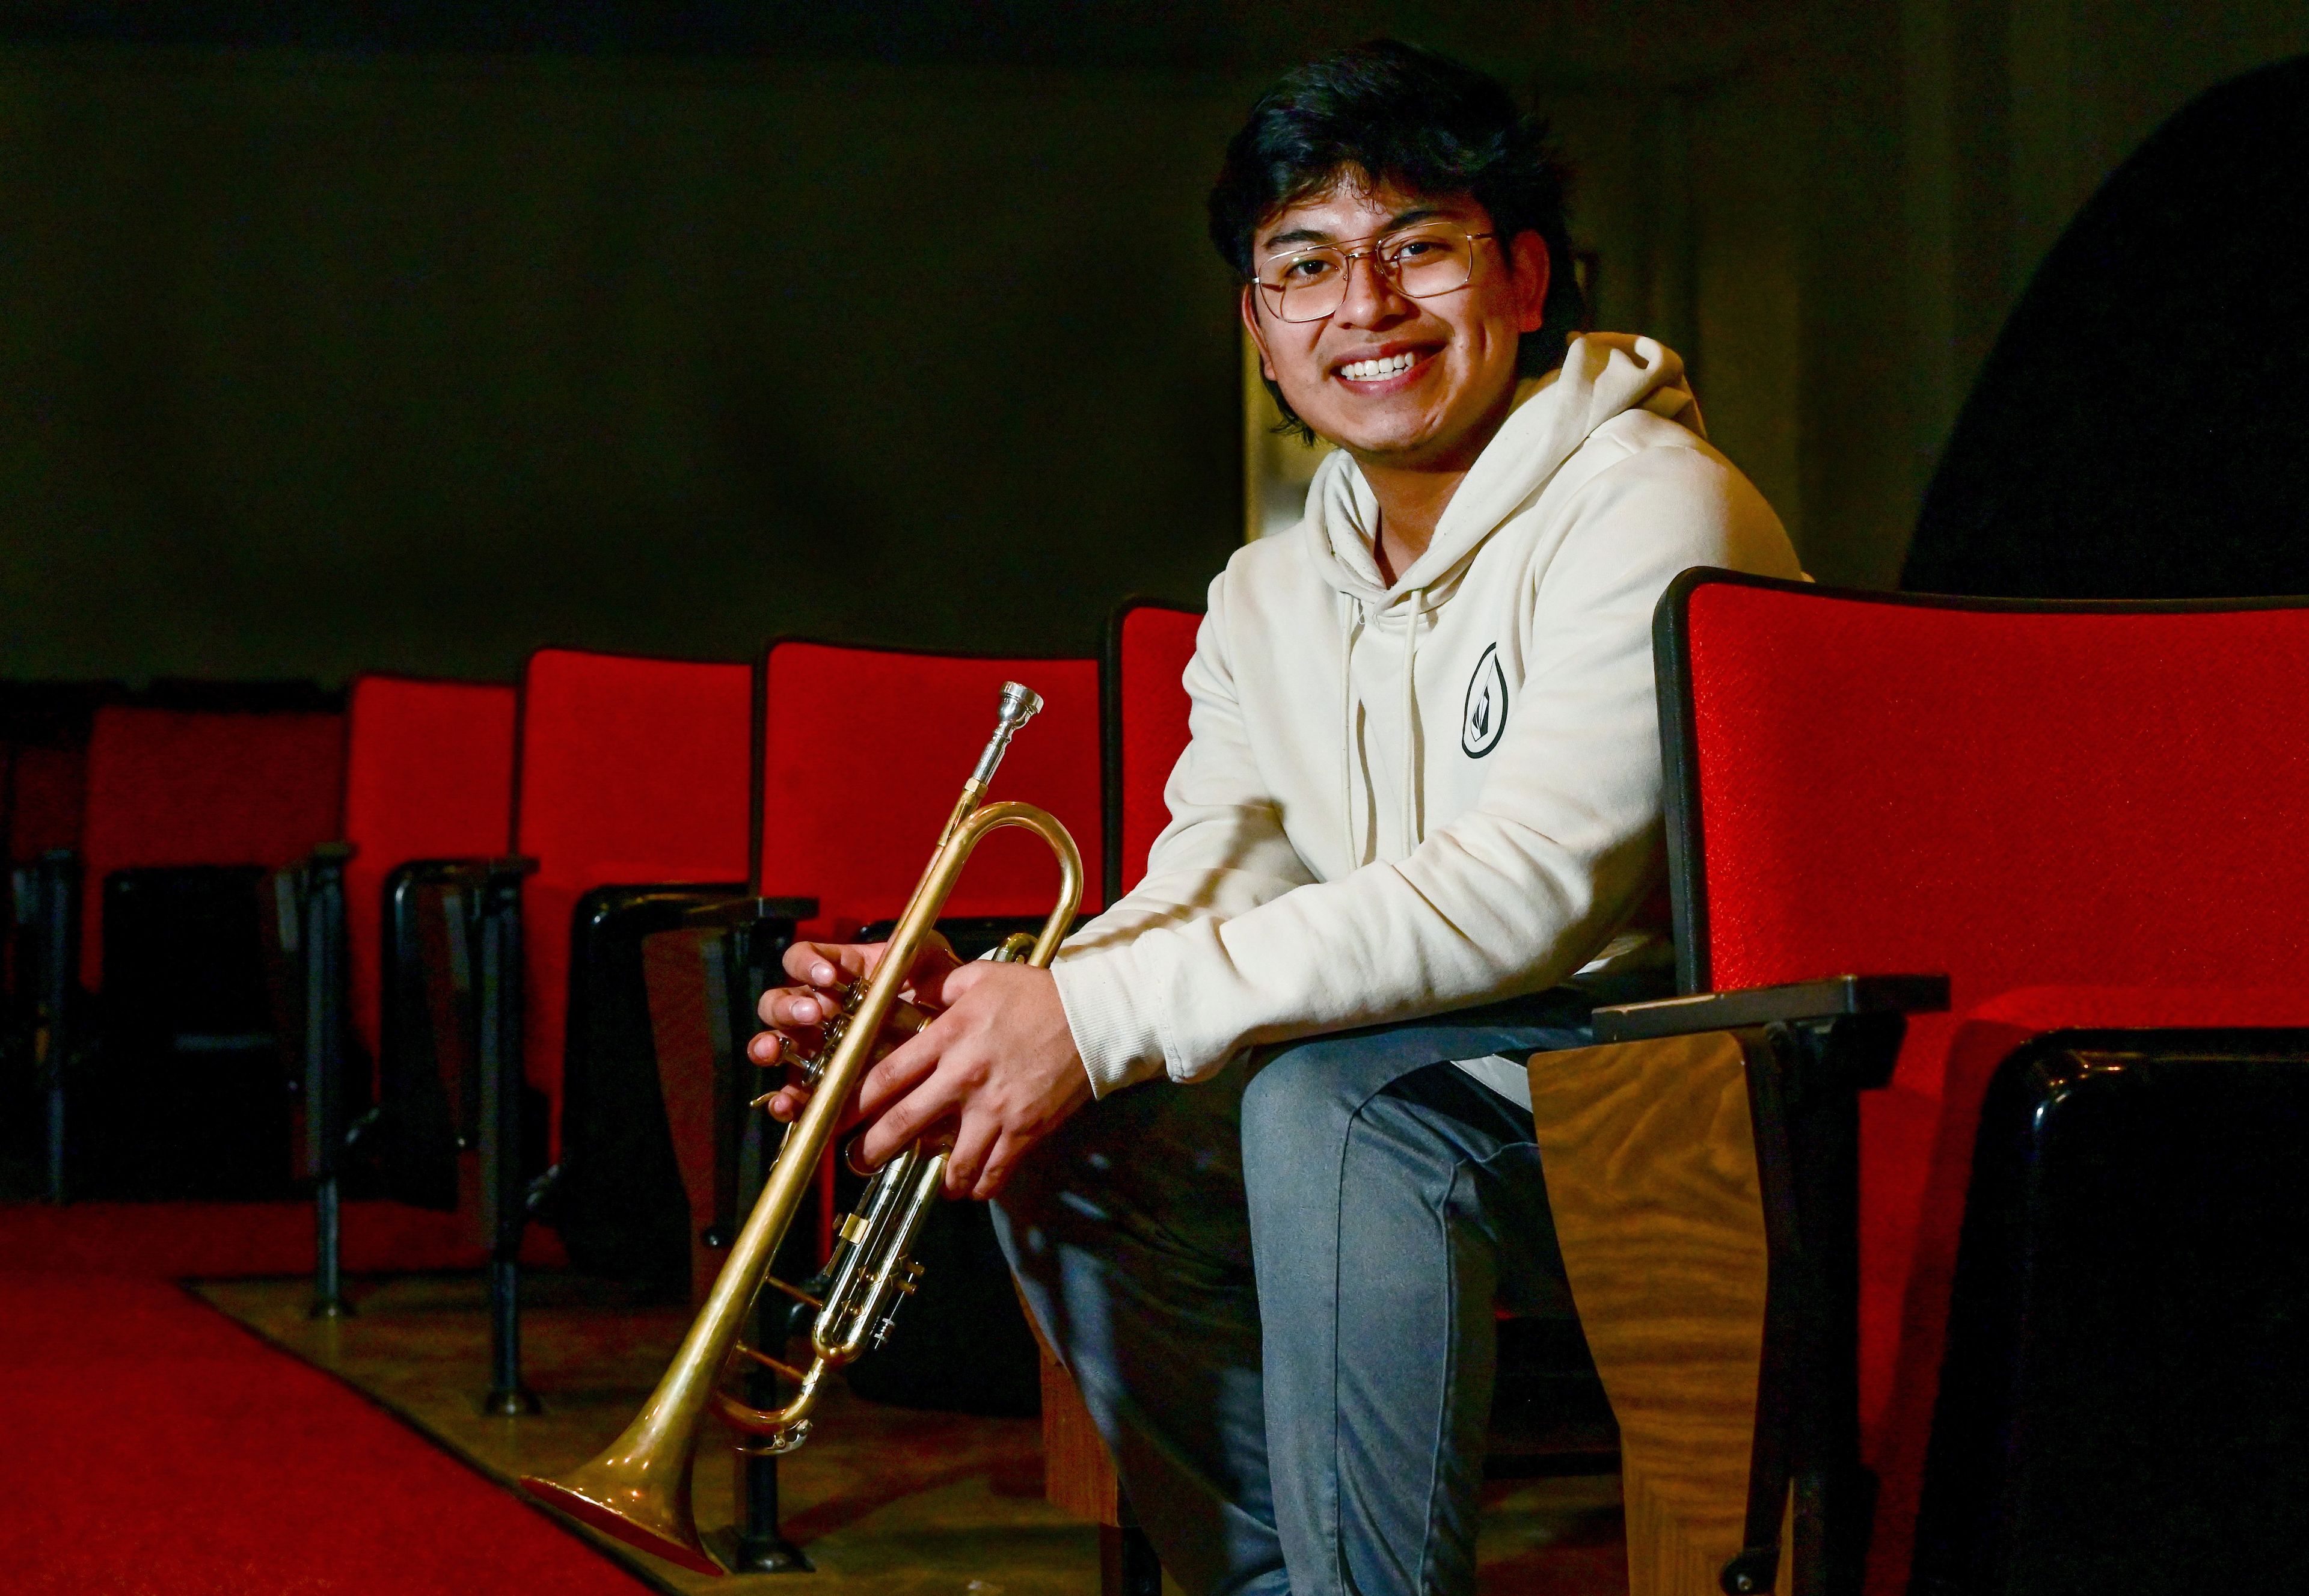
[1249, 307]
[1529, 261]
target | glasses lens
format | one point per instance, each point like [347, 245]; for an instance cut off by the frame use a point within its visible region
[1307, 286]
[1430, 260]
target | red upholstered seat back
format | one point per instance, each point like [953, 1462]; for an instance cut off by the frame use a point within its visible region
[854, 794]
[2019, 797]
[2024, 798]
[1146, 657]
[632, 772]
[175, 787]
[428, 774]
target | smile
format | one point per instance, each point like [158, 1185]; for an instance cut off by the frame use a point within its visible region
[1378, 370]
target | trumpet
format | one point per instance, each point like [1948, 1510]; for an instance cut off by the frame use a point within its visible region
[638, 1489]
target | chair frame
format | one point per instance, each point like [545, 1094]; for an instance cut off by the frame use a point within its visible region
[1803, 1053]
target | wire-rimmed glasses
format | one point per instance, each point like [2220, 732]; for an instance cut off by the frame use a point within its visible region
[1420, 261]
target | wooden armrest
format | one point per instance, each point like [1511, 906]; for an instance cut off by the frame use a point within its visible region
[1766, 1005]
[1650, 1167]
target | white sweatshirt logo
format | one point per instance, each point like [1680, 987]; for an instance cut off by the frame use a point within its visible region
[1486, 715]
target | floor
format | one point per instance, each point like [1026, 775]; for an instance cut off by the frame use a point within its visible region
[882, 1500]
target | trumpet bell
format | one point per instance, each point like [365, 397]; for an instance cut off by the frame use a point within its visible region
[618, 1495]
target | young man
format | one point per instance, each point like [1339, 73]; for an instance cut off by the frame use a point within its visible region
[1261, 1141]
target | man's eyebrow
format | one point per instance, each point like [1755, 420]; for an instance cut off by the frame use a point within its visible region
[1314, 235]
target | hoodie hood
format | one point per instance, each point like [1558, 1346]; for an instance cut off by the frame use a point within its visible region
[1604, 375]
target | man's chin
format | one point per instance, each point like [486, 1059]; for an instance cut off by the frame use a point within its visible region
[1401, 448]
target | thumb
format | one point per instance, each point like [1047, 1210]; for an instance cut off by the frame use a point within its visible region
[937, 987]
[934, 963]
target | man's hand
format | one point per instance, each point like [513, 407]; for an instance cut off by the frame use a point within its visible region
[798, 1014]
[997, 1068]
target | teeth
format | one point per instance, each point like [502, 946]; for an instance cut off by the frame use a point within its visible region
[1373, 370]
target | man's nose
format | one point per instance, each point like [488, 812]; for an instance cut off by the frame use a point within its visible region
[1371, 294]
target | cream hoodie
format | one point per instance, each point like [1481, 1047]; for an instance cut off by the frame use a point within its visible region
[1397, 801]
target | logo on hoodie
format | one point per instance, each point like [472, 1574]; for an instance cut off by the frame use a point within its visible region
[1486, 715]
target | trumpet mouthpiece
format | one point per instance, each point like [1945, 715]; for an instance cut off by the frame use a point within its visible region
[1020, 704]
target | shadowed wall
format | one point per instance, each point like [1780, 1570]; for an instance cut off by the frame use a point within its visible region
[416, 336]
[308, 364]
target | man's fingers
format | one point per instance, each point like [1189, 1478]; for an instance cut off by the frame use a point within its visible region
[830, 964]
[906, 1120]
[901, 1069]
[1008, 1151]
[796, 1005]
[972, 1145]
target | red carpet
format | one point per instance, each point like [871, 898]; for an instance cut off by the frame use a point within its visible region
[199, 1240]
[153, 1447]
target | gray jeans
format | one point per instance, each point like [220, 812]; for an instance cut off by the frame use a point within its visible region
[1276, 1291]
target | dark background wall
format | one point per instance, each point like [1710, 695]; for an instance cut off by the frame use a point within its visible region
[335, 336]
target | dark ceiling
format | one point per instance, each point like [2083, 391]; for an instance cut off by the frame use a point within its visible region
[1652, 39]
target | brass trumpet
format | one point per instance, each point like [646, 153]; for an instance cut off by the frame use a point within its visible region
[638, 1489]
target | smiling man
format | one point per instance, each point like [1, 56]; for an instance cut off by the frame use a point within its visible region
[1261, 1140]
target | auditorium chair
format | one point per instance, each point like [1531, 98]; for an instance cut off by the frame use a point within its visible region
[1959, 1192]
[1143, 727]
[44, 726]
[185, 809]
[508, 1061]
[846, 822]
[429, 773]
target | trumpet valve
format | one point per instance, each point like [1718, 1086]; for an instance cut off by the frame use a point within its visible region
[902, 1282]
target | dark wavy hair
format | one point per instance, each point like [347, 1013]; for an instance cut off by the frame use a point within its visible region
[1424, 123]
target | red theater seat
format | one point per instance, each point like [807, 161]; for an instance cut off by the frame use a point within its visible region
[629, 773]
[633, 772]
[186, 1092]
[2082, 817]
[851, 825]
[1148, 645]
[428, 774]
[169, 788]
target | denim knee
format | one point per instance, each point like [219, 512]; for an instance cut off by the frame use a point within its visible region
[1297, 1103]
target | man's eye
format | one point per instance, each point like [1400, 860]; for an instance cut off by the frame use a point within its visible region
[1307, 268]
[1421, 248]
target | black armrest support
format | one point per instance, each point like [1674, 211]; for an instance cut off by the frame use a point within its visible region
[1797, 1002]
[47, 906]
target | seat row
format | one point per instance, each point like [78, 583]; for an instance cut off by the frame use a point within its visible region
[1951, 1215]
[810, 773]
[493, 949]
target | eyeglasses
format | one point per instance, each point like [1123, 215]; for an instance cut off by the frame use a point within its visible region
[1420, 261]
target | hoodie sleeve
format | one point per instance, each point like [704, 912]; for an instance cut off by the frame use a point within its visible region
[1513, 896]
[1223, 854]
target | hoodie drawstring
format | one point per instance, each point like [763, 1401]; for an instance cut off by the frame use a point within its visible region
[1347, 629]
[1352, 620]
[1411, 720]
